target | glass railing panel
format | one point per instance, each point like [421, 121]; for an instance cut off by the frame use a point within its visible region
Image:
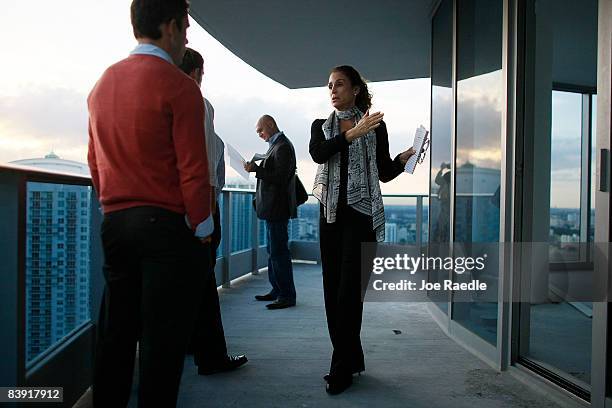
[57, 263]
[241, 222]
[401, 220]
[425, 221]
[306, 226]
[263, 233]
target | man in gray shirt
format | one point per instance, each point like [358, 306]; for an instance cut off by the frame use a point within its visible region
[208, 339]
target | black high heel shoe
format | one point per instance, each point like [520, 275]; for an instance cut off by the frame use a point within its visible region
[337, 384]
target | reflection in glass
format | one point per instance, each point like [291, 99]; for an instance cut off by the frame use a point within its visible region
[560, 327]
[441, 133]
[552, 315]
[57, 263]
[478, 151]
[565, 164]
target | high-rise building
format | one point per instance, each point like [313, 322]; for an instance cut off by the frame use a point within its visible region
[390, 232]
[57, 256]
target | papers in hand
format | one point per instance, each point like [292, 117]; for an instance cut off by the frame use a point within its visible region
[420, 137]
[236, 161]
[258, 156]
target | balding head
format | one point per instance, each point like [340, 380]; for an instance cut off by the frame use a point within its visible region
[266, 127]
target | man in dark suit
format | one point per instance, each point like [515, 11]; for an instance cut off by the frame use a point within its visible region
[275, 203]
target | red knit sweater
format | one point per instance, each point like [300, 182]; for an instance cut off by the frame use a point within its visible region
[146, 139]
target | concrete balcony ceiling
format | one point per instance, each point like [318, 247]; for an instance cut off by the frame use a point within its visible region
[296, 43]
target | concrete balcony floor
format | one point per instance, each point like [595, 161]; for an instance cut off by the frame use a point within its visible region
[289, 352]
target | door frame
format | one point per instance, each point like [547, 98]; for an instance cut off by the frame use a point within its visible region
[601, 393]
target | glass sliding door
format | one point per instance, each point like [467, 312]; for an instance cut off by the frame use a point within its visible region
[480, 102]
[572, 177]
[560, 78]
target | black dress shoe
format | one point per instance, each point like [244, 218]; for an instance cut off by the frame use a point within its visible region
[227, 364]
[280, 304]
[267, 297]
[337, 384]
[326, 376]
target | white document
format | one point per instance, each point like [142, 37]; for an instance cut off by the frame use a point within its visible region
[420, 137]
[236, 161]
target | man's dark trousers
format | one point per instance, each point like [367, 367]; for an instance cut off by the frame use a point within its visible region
[208, 341]
[280, 270]
[153, 271]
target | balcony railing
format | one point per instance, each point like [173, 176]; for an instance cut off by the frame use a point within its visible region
[52, 261]
[50, 246]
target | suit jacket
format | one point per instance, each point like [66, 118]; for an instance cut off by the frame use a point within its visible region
[275, 196]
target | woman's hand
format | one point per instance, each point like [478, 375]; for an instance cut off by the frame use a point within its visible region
[404, 156]
[367, 123]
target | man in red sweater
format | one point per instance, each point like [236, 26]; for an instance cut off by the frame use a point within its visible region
[149, 167]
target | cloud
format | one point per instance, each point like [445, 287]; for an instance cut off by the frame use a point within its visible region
[39, 113]
[235, 123]
[48, 118]
[296, 109]
[36, 121]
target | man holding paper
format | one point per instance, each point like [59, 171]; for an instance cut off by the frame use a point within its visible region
[274, 205]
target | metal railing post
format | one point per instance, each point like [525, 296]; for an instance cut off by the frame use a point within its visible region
[254, 243]
[12, 290]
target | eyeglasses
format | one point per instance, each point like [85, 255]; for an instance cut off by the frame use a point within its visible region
[423, 152]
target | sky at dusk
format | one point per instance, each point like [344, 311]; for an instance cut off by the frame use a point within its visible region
[57, 50]
[60, 49]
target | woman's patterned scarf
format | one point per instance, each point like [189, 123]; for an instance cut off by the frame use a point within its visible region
[363, 188]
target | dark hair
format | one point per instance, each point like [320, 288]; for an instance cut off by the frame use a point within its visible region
[192, 60]
[364, 97]
[147, 15]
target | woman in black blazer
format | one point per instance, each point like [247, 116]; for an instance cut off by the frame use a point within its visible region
[352, 150]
